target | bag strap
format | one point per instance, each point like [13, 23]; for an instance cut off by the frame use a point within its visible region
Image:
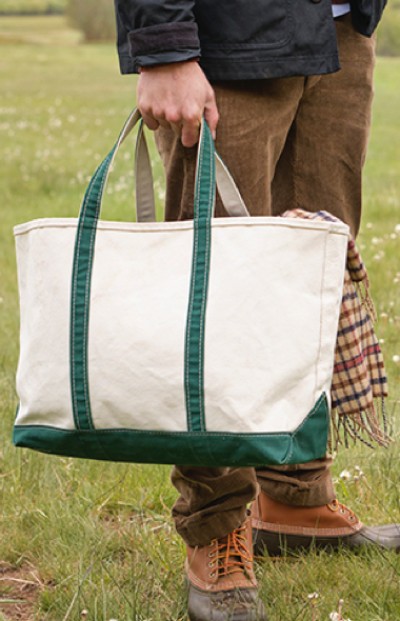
[81, 282]
[204, 204]
[145, 203]
[82, 274]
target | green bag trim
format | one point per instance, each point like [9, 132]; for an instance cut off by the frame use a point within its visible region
[80, 295]
[209, 449]
[195, 327]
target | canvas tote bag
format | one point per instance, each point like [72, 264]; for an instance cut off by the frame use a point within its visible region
[206, 342]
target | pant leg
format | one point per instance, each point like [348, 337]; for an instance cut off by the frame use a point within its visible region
[321, 168]
[301, 485]
[321, 165]
[212, 501]
[255, 118]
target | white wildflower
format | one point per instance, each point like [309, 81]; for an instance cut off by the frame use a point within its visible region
[396, 358]
[345, 475]
[55, 123]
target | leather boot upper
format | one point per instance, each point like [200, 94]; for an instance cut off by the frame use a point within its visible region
[331, 520]
[224, 564]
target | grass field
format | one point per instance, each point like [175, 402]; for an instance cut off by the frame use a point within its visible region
[97, 537]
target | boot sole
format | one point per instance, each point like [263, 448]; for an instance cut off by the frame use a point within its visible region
[276, 545]
[279, 544]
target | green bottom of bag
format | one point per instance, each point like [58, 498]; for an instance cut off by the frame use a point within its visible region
[307, 442]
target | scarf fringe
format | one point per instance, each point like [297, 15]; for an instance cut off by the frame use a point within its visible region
[362, 289]
[370, 428]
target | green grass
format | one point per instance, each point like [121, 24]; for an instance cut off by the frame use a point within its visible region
[99, 536]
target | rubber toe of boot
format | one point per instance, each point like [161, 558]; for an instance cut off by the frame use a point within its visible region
[387, 537]
[235, 605]
[274, 544]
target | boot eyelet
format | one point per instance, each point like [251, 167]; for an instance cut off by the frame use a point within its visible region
[212, 575]
[211, 555]
[211, 564]
[342, 511]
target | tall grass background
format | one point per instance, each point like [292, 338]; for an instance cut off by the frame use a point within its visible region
[97, 538]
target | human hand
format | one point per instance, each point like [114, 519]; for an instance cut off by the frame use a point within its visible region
[177, 96]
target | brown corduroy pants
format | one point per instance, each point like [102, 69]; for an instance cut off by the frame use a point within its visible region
[289, 142]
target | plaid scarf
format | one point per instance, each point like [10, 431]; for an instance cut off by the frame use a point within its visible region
[359, 383]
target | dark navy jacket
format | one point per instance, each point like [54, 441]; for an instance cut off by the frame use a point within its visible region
[237, 39]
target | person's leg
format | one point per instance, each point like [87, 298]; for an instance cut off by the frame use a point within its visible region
[212, 501]
[210, 513]
[320, 169]
[321, 166]
[302, 485]
[255, 118]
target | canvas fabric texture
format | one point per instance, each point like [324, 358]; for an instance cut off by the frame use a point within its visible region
[96, 352]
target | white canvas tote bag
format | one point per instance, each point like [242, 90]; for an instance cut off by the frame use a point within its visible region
[205, 342]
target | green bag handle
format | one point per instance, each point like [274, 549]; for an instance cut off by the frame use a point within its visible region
[145, 203]
[204, 202]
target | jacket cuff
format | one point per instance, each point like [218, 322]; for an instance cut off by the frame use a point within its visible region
[152, 45]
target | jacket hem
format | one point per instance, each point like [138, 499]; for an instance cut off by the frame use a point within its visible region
[241, 69]
[269, 67]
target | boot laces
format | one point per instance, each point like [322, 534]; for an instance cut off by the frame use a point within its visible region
[335, 505]
[230, 554]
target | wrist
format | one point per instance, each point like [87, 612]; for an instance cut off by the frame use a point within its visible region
[149, 68]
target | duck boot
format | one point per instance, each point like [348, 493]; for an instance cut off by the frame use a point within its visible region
[279, 529]
[221, 580]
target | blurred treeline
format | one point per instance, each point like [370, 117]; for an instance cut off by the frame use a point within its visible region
[95, 18]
